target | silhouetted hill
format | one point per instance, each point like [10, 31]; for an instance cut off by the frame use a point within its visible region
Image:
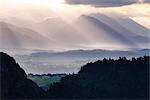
[107, 78]
[14, 82]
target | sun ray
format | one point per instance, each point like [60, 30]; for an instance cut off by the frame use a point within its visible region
[140, 1]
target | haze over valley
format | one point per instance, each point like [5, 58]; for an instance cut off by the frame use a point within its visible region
[87, 30]
[74, 49]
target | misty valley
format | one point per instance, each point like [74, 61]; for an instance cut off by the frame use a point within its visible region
[74, 49]
[108, 78]
[69, 61]
[48, 67]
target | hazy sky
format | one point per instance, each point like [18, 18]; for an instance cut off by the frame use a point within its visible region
[39, 10]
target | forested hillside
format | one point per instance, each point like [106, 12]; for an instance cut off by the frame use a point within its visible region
[122, 78]
[107, 78]
[14, 82]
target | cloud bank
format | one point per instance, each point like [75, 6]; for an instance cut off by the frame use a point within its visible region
[106, 3]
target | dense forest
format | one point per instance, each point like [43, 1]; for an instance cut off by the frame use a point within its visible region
[108, 78]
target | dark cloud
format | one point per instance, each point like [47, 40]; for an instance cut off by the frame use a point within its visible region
[104, 3]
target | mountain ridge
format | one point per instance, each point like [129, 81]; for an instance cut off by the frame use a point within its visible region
[93, 30]
[14, 36]
[98, 52]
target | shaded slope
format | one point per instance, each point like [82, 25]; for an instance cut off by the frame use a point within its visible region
[126, 27]
[104, 29]
[12, 36]
[108, 30]
[14, 82]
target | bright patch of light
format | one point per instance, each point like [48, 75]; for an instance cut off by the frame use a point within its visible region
[46, 2]
[32, 2]
[140, 1]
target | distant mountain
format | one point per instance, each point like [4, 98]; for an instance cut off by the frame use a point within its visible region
[133, 26]
[70, 61]
[93, 53]
[100, 29]
[123, 25]
[95, 30]
[64, 33]
[12, 36]
[100, 25]
[90, 31]
[14, 82]
[52, 25]
[106, 79]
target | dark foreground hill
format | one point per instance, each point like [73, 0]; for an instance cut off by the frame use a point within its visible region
[104, 79]
[116, 79]
[14, 82]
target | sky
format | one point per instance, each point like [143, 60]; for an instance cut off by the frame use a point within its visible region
[68, 10]
[42, 9]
